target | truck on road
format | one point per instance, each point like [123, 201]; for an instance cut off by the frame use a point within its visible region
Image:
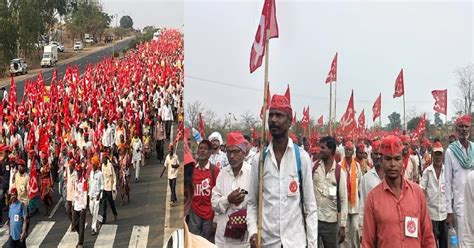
[50, 56]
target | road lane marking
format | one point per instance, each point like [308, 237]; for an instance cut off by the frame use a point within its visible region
[36, 237]
[106, 236]
[139, 237]
[4, 235]
[55, 208]
[70, 238]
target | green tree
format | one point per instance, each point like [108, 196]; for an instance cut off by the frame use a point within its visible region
[413, 123]
[395, 121]
[87, 18]
[126, 22]
[149, 29]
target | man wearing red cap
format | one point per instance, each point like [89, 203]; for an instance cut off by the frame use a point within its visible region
[361, 158]
[290, 217]
[172, 165]
[372, 178]
[395, 212]
[110, 187]
[229, 195]
[433, 184]
[459, 161]
[354, 174]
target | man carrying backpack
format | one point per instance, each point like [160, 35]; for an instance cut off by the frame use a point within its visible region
[330, 190]
[289, 207]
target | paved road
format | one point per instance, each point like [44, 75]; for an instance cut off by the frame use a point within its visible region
[144, 222]
[81, 63]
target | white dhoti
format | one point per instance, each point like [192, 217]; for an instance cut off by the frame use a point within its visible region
[94, 205]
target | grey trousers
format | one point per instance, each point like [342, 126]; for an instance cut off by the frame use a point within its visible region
[328, 234]
[199, 226]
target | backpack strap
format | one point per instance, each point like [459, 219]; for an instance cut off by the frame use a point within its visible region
[298, 167]
[338, 179]
[212, 167]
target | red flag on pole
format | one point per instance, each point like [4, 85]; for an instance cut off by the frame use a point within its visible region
[305, 119]
[267, 22]
[201, 126]
[287, 94]
[12, 95]
[32, 183]
[347, 122]
[441, 101]
[294, 119]
[376, 109]
[332, 75]
[361, 120]
[399, 85]
[320, 121]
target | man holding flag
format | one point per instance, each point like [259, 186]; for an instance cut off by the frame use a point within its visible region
[289, 205]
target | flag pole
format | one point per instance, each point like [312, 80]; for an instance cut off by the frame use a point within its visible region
[335, 101]
[262, 145]
[404, 116]
[330, 109]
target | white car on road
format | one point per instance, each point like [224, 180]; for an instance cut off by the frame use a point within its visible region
[78, 46]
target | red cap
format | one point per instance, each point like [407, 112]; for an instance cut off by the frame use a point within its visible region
[438, 147]
[20, 161]
[13, 191]
[465, 120]
[281, 103]
[391, 145]
[405, 139]
[376, 145]
[361, 146]
[235, 138]
[349, 145]
[315, 149]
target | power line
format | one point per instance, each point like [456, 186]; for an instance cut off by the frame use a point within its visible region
[232, 85]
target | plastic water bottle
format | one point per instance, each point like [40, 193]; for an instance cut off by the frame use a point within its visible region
[196, 135]
[453, 238]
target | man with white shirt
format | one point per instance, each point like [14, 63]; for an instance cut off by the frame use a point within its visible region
[79, 204]
[372, 178]
[167, 116]
[172, 164]
[468, 237]
[108, 136]
[290, 217]
[96, 185]
[433, 184]
[330, 188]
[218, 157]
[458, 161]
[229, 199]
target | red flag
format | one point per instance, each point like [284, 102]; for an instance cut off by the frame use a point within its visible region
[267, 22]
[441, 101]
[420, 129]
[399, 85]
[254, 134]
[361, 120]
[347, 122]
[320, 121]
[201, 126]
[376, 109]
[305, 119]
[332, 75]
[32, 183]
[294, 119]
[287, 94]
[55, 76]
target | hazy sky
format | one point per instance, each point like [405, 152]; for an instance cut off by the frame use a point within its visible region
[374, 40]
[159, 13]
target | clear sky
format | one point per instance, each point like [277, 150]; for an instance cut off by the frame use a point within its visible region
[429, 40]
[158, 13]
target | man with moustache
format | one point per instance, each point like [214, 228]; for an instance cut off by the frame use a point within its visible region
[458, 161]
[229, 199]
[395, 213]
[16, 222]
[290, 217]
[218, 157]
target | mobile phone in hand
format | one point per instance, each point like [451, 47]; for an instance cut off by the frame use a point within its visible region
[243, 191]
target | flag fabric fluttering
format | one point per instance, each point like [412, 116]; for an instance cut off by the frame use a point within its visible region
[321, 121]
[305, 119]
[361, 120]
[347, 122]
[376, 109]
[201, 126]
[268, 21]
[287, 94]
[399, 85]
[441, 101]
[420, 129]
[332, 75]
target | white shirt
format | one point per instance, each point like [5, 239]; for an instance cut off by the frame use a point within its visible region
[137, 147]
[96, 183]
[166, 113]
[369, 181]
[225, 184]
[169, 161]
[108, 137]
[220, 159]
[455, 181]
[282, 217]
[435, 193]
[468, 236]
[80, 195]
